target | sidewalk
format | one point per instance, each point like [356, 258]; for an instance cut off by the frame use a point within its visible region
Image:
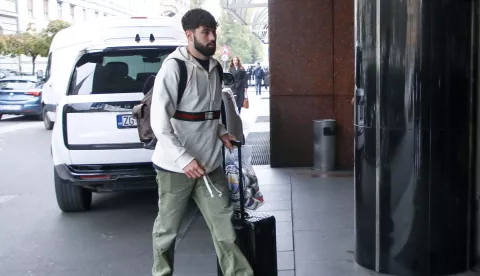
[313, 210]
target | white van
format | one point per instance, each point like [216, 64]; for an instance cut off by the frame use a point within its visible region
[96, 75]
[68, 44]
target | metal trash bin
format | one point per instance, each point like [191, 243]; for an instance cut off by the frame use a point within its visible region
[324, 133]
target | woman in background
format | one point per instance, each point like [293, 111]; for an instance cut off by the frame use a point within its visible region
[239, 88]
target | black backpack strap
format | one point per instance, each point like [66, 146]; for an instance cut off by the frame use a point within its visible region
[148, 84]
[220, 72]
[223, 114]
[182, 83]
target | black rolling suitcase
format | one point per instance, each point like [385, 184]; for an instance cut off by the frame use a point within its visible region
[256, 233]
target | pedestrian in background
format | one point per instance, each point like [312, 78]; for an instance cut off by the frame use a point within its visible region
[240, 86]
[266, 78]
[259, 75]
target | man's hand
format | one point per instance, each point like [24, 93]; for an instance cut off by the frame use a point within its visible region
[194, 169]
[226, 138]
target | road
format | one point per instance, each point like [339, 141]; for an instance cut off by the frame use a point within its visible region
[36, 238]
[114, 238]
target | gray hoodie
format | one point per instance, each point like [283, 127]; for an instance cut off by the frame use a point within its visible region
[179, 141]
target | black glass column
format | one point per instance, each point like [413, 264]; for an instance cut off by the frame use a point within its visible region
[415, 135]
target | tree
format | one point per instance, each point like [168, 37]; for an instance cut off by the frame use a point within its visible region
[31, 43]
[238, 38]
[257, 49]
[52, 29]
[3, 44]
[28, 43]
[235, 36]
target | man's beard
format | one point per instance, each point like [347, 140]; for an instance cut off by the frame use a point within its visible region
[205, 50]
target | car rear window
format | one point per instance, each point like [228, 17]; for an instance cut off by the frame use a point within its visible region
[16, 85]
[116, 71]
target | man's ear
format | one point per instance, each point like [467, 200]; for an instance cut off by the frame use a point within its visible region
[189, 34]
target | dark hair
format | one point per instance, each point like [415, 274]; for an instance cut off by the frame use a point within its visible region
[239, 63]
[198, 17]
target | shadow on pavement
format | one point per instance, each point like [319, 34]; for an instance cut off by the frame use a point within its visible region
[8, 118]
[125, 201]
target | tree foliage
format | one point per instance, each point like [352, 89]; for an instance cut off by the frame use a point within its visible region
[239, 40]
[31, 43]
[196, 3]
[52, 29]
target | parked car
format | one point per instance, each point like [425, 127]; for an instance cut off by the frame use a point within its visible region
[7, 72]
[21, 95]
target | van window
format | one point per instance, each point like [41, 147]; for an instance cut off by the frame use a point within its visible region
[116, 71]
[48, 70]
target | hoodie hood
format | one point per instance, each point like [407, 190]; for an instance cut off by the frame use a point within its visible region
[183, 54]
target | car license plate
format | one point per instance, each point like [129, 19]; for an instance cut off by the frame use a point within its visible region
[10, 107]
[126, 121]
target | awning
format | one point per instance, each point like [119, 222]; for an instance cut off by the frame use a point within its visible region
[253, 13]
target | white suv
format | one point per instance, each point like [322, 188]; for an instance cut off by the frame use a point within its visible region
[95, 142]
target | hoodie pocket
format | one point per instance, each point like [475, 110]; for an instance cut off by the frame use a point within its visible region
[201, 145]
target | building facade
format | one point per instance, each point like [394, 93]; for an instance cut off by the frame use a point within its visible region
[16, 15]
[8, 25]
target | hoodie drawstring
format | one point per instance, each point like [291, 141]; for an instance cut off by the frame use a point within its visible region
[208, 182]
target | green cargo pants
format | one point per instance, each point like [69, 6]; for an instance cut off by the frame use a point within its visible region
[174, 190]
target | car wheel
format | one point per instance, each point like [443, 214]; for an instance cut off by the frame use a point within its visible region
[71, 198]
[46, 121]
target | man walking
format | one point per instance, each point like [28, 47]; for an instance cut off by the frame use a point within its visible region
[259, 75]
[190, 138]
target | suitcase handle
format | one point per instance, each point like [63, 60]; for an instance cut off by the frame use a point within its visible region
[238, 144]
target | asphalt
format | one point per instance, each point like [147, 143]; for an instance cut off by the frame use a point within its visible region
[36, 238]
[314, 216]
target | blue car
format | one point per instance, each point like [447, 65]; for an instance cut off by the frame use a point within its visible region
[21, 95]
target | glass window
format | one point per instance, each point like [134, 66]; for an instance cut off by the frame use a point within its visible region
[116, 71]
[16, 84]
[48, 70]
[59, 10]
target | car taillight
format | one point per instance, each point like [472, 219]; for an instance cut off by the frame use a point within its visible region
[34, 93]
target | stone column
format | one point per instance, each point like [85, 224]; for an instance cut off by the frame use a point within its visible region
[414, 136]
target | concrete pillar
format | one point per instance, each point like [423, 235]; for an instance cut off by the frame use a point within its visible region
[90, 14]
[78, 15]
[316, 80]
[414, 129]
[66, 16]
[38, 13]
[53, 10]
[23, 18]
